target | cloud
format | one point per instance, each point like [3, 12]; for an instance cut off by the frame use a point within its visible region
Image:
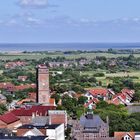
[35, 4]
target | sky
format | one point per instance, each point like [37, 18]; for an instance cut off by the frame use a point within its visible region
[37, 21]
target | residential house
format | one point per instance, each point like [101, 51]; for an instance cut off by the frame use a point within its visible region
[91, 104]
[54, 132]
[124, 97]
[22, 78]
[100, 93]
[12, 65]
[124, 135]
[11, 87]
[9, 121]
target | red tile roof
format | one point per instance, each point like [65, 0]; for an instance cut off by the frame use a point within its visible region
[128, 92]
[119, 98]
[94, 100]
[120, 135]
[11, 87]
[22, 87]
[28, 111]
[99, 91]
[9, 118]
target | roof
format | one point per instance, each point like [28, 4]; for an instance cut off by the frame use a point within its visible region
[34, 132]
[99, 91]
[128, 92]
[24, 138]
[9, 118]
[92, 121]
[91, 101]
[30, 110]
[10, 86]
[119, 98]
[46, 126]
[120, 135]
[42, 66]
[22, 87]
[40, 120]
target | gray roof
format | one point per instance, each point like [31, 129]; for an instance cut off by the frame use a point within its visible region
[40, 120]
[92, 121]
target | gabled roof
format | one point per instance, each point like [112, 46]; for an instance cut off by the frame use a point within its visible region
[95, 100]
[9, 118]
[34, 132]
[30, 110]
[99, 91]
[120, 135]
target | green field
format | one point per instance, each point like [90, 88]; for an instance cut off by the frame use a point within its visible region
[118, 74]
[38, 56]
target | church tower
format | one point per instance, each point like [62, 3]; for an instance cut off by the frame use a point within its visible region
[43, 93]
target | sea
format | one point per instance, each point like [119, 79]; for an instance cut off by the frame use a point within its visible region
[51, 47]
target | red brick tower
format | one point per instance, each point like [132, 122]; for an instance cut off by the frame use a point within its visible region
[43, 94]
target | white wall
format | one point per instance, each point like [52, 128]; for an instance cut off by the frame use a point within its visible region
[56, 134]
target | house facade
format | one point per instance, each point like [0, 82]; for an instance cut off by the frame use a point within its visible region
[90, 127]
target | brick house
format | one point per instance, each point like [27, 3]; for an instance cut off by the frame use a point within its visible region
[90, 127]
[9, 121]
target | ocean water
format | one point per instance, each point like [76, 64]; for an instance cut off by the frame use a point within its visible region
[66, 46]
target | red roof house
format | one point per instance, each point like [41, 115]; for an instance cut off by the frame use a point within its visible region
[9, 120]
[26, 113]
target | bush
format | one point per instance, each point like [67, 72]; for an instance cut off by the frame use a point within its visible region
[99, 74]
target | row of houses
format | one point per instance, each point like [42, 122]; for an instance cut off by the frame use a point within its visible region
[67, 64]
[108, 95]
[35, 121]
[12, 65]
[11, 87]
[97, 94]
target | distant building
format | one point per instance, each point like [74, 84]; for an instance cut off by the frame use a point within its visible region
[22, 78]
[12, 65]
[90, 127]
